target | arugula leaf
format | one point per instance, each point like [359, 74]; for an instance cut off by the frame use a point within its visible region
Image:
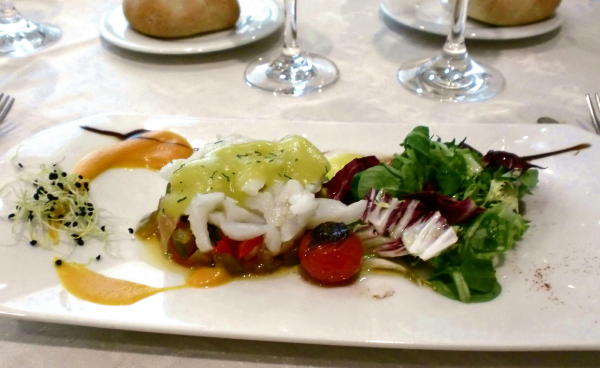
[379, 176]
[418, 141]
[466, 279]
[467, 272]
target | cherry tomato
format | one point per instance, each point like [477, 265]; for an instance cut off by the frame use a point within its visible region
[247, 248]
[331, 262]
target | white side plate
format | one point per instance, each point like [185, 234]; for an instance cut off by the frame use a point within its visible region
[258, 19]
[550, 282]
[433, 16]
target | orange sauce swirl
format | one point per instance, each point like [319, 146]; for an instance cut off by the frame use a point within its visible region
[94, 287]
[150, 150]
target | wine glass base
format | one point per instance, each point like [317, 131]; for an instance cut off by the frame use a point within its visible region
[25, 37]
[296, 75]
[434, 78]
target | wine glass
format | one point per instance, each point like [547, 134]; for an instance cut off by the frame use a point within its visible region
[20, 36]
[452, 76]
[294, 72]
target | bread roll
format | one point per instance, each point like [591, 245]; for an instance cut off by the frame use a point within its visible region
[511, 12]
[180, 18]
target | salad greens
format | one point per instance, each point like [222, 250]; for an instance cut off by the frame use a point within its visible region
[466, 271]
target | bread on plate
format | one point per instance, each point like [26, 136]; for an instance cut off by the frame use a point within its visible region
[180, 18]
[511, 12]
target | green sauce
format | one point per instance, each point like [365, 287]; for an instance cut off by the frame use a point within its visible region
[230, 168]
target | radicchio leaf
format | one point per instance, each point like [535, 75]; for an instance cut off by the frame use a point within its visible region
[507, 160]
[394, 228]
[455, 211]
[341, 183]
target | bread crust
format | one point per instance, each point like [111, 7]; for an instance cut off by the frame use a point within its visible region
[511, 12]
[180, 18]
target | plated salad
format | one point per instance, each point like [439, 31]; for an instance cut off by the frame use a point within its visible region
[441, 212]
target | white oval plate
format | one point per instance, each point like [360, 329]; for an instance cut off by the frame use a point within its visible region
[258, 19]
[550, 281]
[433, 16]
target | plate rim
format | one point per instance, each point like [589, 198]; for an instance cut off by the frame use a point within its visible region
[488, 34]
[111, 37]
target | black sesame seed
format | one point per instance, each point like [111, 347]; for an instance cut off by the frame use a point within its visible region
[80, 177]
[63, 174]
[36, 196]
[20, 165]
[68, 223]
[74, 235]
[103, 228]
[33, 242]
[80, 242]
[58, 262]
[74, 223]
[86, 185]
[11, 215]
[98, 257]
[53, 176]
[130, 230]
[78, 184]
[60, 185]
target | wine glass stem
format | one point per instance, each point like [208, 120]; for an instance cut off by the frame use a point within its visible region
[290, 32]
[455, 47]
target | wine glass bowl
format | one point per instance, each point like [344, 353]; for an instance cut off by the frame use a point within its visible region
[20, 36]
[294, 72]
[453, 75]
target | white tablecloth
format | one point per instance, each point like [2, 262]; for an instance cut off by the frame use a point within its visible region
[83, 75]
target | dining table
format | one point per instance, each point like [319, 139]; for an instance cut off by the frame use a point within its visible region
[85, 75]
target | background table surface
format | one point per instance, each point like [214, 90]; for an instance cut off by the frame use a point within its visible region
[83, 75]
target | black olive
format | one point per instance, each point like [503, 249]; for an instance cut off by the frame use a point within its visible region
[214, 233]
[329, 232]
